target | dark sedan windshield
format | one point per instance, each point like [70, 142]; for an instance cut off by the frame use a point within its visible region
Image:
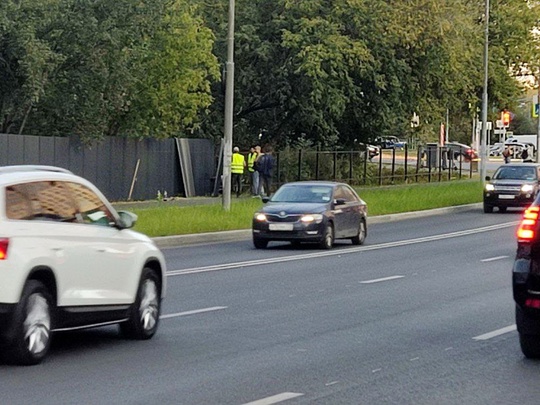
[303, 194]
[515, 173]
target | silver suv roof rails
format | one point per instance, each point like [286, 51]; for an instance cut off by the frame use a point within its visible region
[31, 168]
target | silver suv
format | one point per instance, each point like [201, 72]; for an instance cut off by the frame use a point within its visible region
[68, 261]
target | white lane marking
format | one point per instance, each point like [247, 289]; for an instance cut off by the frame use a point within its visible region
[492, 259]
[195, 311]
[378, 280]
[496, 333]
[259, 262]
[275, 398]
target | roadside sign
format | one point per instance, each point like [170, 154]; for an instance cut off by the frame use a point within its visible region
[535, 106]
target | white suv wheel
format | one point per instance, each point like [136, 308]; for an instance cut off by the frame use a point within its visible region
[37, 325]
[144, 313]
[149, 306]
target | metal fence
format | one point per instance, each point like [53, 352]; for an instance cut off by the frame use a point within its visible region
[126, 167]
[120, 167]
[392, 166]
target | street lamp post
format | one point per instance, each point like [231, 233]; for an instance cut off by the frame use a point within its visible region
[229, 99]
[483, 146]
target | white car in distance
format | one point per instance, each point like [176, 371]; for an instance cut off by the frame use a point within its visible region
[68, 260]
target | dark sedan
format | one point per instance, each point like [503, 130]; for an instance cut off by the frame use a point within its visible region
[512, 185]
[458, 149]
[311, 211]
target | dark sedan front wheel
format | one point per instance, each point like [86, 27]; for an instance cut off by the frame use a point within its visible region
[328, 237]
[259, 243]
[488, 209]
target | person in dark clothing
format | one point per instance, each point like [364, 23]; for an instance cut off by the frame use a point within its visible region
[265, 166]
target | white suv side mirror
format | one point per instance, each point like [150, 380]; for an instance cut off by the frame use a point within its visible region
[127, 219]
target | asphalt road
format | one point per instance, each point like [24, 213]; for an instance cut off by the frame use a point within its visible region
[421, 314]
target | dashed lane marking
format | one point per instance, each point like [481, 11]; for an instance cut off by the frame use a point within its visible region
[195, 311]
[387, 245]
[284, 396]
[496, 333]
[492, 259]
[379, 280]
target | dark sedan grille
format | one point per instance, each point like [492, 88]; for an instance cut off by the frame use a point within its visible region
[512, 189]
[287, 218]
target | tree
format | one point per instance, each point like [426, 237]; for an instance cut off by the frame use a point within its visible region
[118, 68]
[26, 60]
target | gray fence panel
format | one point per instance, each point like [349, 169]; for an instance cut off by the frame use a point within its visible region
[31, 151]
[130, 162]
[163, 161]
[90, 164]
[15, 144]
[104, 165]
[4, 150]
[116, 161]
[76, 156]
[202, 161]
[61, 153]
[47, 151]
[110, 164]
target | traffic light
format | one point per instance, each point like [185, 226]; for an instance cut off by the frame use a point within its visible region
[505, 118]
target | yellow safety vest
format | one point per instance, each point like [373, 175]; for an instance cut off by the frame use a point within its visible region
[252, 157]
[237, 165]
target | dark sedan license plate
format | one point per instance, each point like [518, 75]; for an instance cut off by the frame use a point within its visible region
[506, 197]
[281, 227]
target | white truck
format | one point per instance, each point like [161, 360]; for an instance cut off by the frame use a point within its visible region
[532, 139]
[519, 143]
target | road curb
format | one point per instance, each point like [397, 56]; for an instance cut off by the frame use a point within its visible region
[244, 234]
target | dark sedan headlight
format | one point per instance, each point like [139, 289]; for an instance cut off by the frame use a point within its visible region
[490, 187]
[527, 188]
[312, 218]
[259, 216]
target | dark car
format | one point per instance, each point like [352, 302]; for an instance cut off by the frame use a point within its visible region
[512, 185]
[311, 211]
[460, 149]
[389, 142]
[372, 150]
[526, 281]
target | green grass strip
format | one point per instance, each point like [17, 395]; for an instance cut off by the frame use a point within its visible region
[169, 219]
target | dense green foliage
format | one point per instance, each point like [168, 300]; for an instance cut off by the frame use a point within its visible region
[323, 72]
[100, 67]
[168, 219]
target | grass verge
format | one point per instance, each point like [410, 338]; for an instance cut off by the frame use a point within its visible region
[180, 220]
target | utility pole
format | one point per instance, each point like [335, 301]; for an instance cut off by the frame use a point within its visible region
[229, 101]
[483, 147]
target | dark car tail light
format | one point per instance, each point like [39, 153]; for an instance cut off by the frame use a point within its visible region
[4, 243]
[527, 229]
[532, 303]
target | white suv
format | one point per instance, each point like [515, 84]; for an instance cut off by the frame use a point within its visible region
[68, 261]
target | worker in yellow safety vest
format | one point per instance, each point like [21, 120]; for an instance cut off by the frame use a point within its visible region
[253, 173]
[237, 170]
